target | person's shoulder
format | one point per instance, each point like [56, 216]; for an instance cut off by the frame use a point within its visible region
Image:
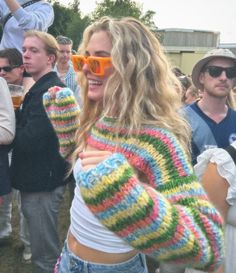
[152, 133]
[3, 83]
[233, 111]
[193, 105]
[188, 110]
[43, 5]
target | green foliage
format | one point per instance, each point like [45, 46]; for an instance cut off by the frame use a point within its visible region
[69, 21]
[75, 6]
[76, 28]
[117, 9]
[61, 20]
[124, 8]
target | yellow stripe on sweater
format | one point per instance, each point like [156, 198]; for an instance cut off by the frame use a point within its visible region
[159, 158]
[105, 181]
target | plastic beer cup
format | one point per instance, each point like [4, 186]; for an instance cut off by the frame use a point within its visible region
[17, 92]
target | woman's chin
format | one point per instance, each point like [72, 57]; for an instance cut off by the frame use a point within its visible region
[94, 96]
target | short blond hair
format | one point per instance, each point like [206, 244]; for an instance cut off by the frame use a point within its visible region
[50, 43]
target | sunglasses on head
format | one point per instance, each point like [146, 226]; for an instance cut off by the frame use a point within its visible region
[8, 68]
[96, 65]
[216, 71]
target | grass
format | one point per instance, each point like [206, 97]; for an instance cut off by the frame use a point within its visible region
[11, 253]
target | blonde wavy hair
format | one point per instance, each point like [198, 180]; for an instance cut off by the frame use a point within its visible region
[230, 100]
[141, 89]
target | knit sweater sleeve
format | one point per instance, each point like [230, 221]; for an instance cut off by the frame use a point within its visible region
[176, 223]
[63, 112]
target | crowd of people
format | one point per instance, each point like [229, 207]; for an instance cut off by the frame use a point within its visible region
[149, 153]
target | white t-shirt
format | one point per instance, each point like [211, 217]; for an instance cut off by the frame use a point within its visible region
[87, 229]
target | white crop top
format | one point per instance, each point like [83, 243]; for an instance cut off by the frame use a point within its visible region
[86, 228]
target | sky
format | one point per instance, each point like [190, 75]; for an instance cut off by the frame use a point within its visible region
[212, 15]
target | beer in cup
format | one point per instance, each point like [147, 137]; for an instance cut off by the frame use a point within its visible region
[17, 92]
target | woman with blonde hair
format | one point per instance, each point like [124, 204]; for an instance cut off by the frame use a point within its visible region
[136, 192]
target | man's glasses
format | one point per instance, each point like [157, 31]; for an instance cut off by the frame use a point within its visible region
[8, 68]
[96, 65]
[216, 71]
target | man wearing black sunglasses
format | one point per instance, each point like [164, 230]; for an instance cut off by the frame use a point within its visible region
[12, 70]
[212, 120]
[11, 66]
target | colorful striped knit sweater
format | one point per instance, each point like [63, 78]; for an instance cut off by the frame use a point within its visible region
[170, 217]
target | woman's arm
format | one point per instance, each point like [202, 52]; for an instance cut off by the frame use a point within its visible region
[170, 219]
[63, 112]
[7, 115]
[216, 169]
[216, 188]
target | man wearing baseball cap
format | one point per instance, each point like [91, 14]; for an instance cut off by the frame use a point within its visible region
[213, 122]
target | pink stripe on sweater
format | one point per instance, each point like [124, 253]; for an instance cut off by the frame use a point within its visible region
[118, 197]
[144, 222]
[172, 149]
[134, 159]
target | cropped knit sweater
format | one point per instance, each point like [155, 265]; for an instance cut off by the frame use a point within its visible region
[170, 216]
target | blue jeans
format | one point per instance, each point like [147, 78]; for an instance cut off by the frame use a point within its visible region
[70, 263]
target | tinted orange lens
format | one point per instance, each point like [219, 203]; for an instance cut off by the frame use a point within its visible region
[94, 66]
[79, 63]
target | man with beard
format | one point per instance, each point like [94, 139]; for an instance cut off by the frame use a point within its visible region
[211, 119]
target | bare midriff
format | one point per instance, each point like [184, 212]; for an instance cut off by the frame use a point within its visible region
[96, 256]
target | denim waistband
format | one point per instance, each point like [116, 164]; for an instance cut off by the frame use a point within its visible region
[136, 264]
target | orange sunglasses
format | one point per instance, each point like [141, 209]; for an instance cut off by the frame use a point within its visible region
[96, 65]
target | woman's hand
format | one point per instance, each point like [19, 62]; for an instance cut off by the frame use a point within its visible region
[53, 90]
[90, 159]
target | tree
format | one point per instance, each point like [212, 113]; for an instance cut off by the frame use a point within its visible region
[69, 22]
[76, 28]
[124, 8]
[61, 20]
[75, 6]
